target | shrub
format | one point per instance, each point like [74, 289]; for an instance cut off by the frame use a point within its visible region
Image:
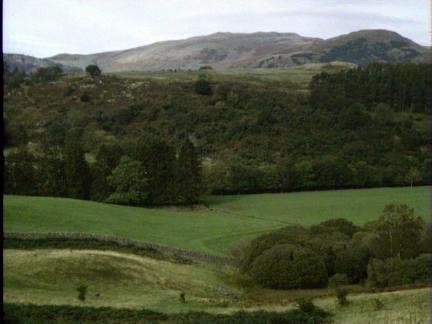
[203, 86]
[378, 304]
[306, 305]
[47, 74]
[341, 225]
[341, 295]
[131, 198]
[353, 262]
[93, 70]
[289, 266]
[339, 279]
[22, 313]
[85, 98]
[182, 297]
[82, 293]
[291, 234]
[398, 272]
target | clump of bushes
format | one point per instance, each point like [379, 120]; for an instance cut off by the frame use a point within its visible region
[398, 272]
[289, 266]
[290, 234]
[21, 313]
[384, 253]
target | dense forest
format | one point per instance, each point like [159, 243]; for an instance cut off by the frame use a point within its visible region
[401, 86]
[151, 142]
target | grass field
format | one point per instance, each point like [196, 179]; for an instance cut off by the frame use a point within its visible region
[113, 279]
[295, 77]
[128, 281]
[228, 220]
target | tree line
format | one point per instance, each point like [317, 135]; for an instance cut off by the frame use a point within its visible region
[144, 172]
[255, 138]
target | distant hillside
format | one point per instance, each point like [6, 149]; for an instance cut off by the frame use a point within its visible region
[30, 64]
[255, 50]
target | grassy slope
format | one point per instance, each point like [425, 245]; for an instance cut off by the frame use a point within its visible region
[121, 280]
[229, 220]
[128, 281]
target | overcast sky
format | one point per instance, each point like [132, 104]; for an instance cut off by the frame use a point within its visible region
[44, 28]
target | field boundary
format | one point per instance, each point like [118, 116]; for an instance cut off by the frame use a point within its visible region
[123, 242]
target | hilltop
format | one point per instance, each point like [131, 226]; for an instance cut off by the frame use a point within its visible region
[240, 50]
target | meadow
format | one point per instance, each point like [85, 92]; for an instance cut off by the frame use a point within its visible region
[119, 281]
[215, 229]
[292, 77]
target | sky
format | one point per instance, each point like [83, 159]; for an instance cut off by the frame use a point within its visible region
[43, 28]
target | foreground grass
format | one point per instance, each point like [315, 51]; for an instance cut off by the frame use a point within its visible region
[118, 280]
[113, 279]
[227, 221]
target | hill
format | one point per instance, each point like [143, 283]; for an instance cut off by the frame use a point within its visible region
[261, 49]
[214, 230]
[30, 64]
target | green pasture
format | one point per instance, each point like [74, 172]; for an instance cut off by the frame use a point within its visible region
[227, 221]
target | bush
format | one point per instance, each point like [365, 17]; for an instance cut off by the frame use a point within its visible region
[378, 304]
[131, 198]
[25, 313]
[203, 87]
[291, 234]
[341, 225]
[85, 98]
[353, 262]
[47, 74]
[306, 305]
[395, 272]
[82, 293]
[182, 297]
[21, 313]
[289, 266]
[341, 295]
[93, 70]
[339, 279]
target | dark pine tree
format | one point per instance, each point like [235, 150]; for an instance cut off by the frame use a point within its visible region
[77, 172]
[158, 159]
[20, 175]
[107, 159]
[52, 178]
[189, 174]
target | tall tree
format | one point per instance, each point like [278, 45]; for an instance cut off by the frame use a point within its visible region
[107, 159]
[130, 183]
[400, 231]
[20, 174]
[189, 174]
[158, 159]
[93, 70]
[77, 172]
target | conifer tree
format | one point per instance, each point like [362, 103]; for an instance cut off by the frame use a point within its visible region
[189, 174]
[107, 159]
[77, 171]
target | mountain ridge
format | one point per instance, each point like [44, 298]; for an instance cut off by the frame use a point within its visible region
[225, 50]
